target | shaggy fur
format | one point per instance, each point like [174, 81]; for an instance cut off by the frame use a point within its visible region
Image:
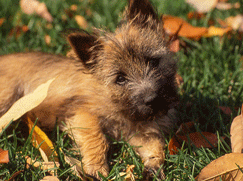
[122, 82]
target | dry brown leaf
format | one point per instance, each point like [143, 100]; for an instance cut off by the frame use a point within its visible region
[172, 24]
[226, 6]
[198, 139]
[74, 7]
[215, 31]
[45, 166]
[225, 168]
[226, 110]
[203, 6]
[195, 15]
[50, 178]
[34, 6]
[173, 146]
[234, 22]
[18, 30]
[4, 158]
[2, 21]
[185, 128]
[81, 21]
[129, 176]
[25, 104]
[179, 80]
[47, 39]
[40, 140]
[175, 45]
[236, 132]
[75, 164]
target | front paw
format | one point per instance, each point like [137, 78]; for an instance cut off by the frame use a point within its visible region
[94, 170]
[154, 168]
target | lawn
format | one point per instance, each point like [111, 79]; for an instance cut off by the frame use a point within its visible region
[210, 67]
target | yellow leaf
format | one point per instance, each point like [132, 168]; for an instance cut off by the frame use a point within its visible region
[81, 21]
[215, 31]
[25, 104]
[40, 140]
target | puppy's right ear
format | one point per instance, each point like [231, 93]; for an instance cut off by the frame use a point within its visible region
[81, 43]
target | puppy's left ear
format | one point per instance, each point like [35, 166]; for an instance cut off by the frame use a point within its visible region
[142, 8]
[82, 43]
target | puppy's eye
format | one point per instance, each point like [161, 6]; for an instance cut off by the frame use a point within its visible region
[121, 79]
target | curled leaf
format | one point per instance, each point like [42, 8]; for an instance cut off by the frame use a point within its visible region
[172, 24]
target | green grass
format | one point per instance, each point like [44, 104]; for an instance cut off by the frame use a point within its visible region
[210, 67]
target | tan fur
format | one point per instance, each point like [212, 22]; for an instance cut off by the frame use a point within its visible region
[120, 84]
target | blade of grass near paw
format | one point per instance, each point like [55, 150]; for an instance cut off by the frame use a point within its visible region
[25, 104]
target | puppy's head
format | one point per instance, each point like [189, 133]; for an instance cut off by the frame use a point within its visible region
[133, 63]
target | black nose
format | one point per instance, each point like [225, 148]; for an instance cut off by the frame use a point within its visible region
[150, 99]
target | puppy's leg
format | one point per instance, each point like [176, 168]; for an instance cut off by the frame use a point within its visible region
[91, 141]
[151, 150]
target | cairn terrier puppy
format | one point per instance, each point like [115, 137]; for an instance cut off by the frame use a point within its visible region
[115, 84]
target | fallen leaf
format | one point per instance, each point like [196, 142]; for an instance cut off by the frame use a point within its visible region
[34, 6]
[226, 110]
[2, 20]
[75, 164]
[234, 22]
[215, 31]
[50, 167]
[25, 104]
[195, 15]
[4, 158]
[47, 39]
[186, 133]
[74, 7]
[203, 139]
[173, 146]
[175, 45]
[236, 132]
[18, 30]
[179, 80]
[185, 128]
[50, 178]
[129, 173]
[226, 6]
[172, 24]
[203, 6]
[223, 168]
[40, 140]
[81, 21]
